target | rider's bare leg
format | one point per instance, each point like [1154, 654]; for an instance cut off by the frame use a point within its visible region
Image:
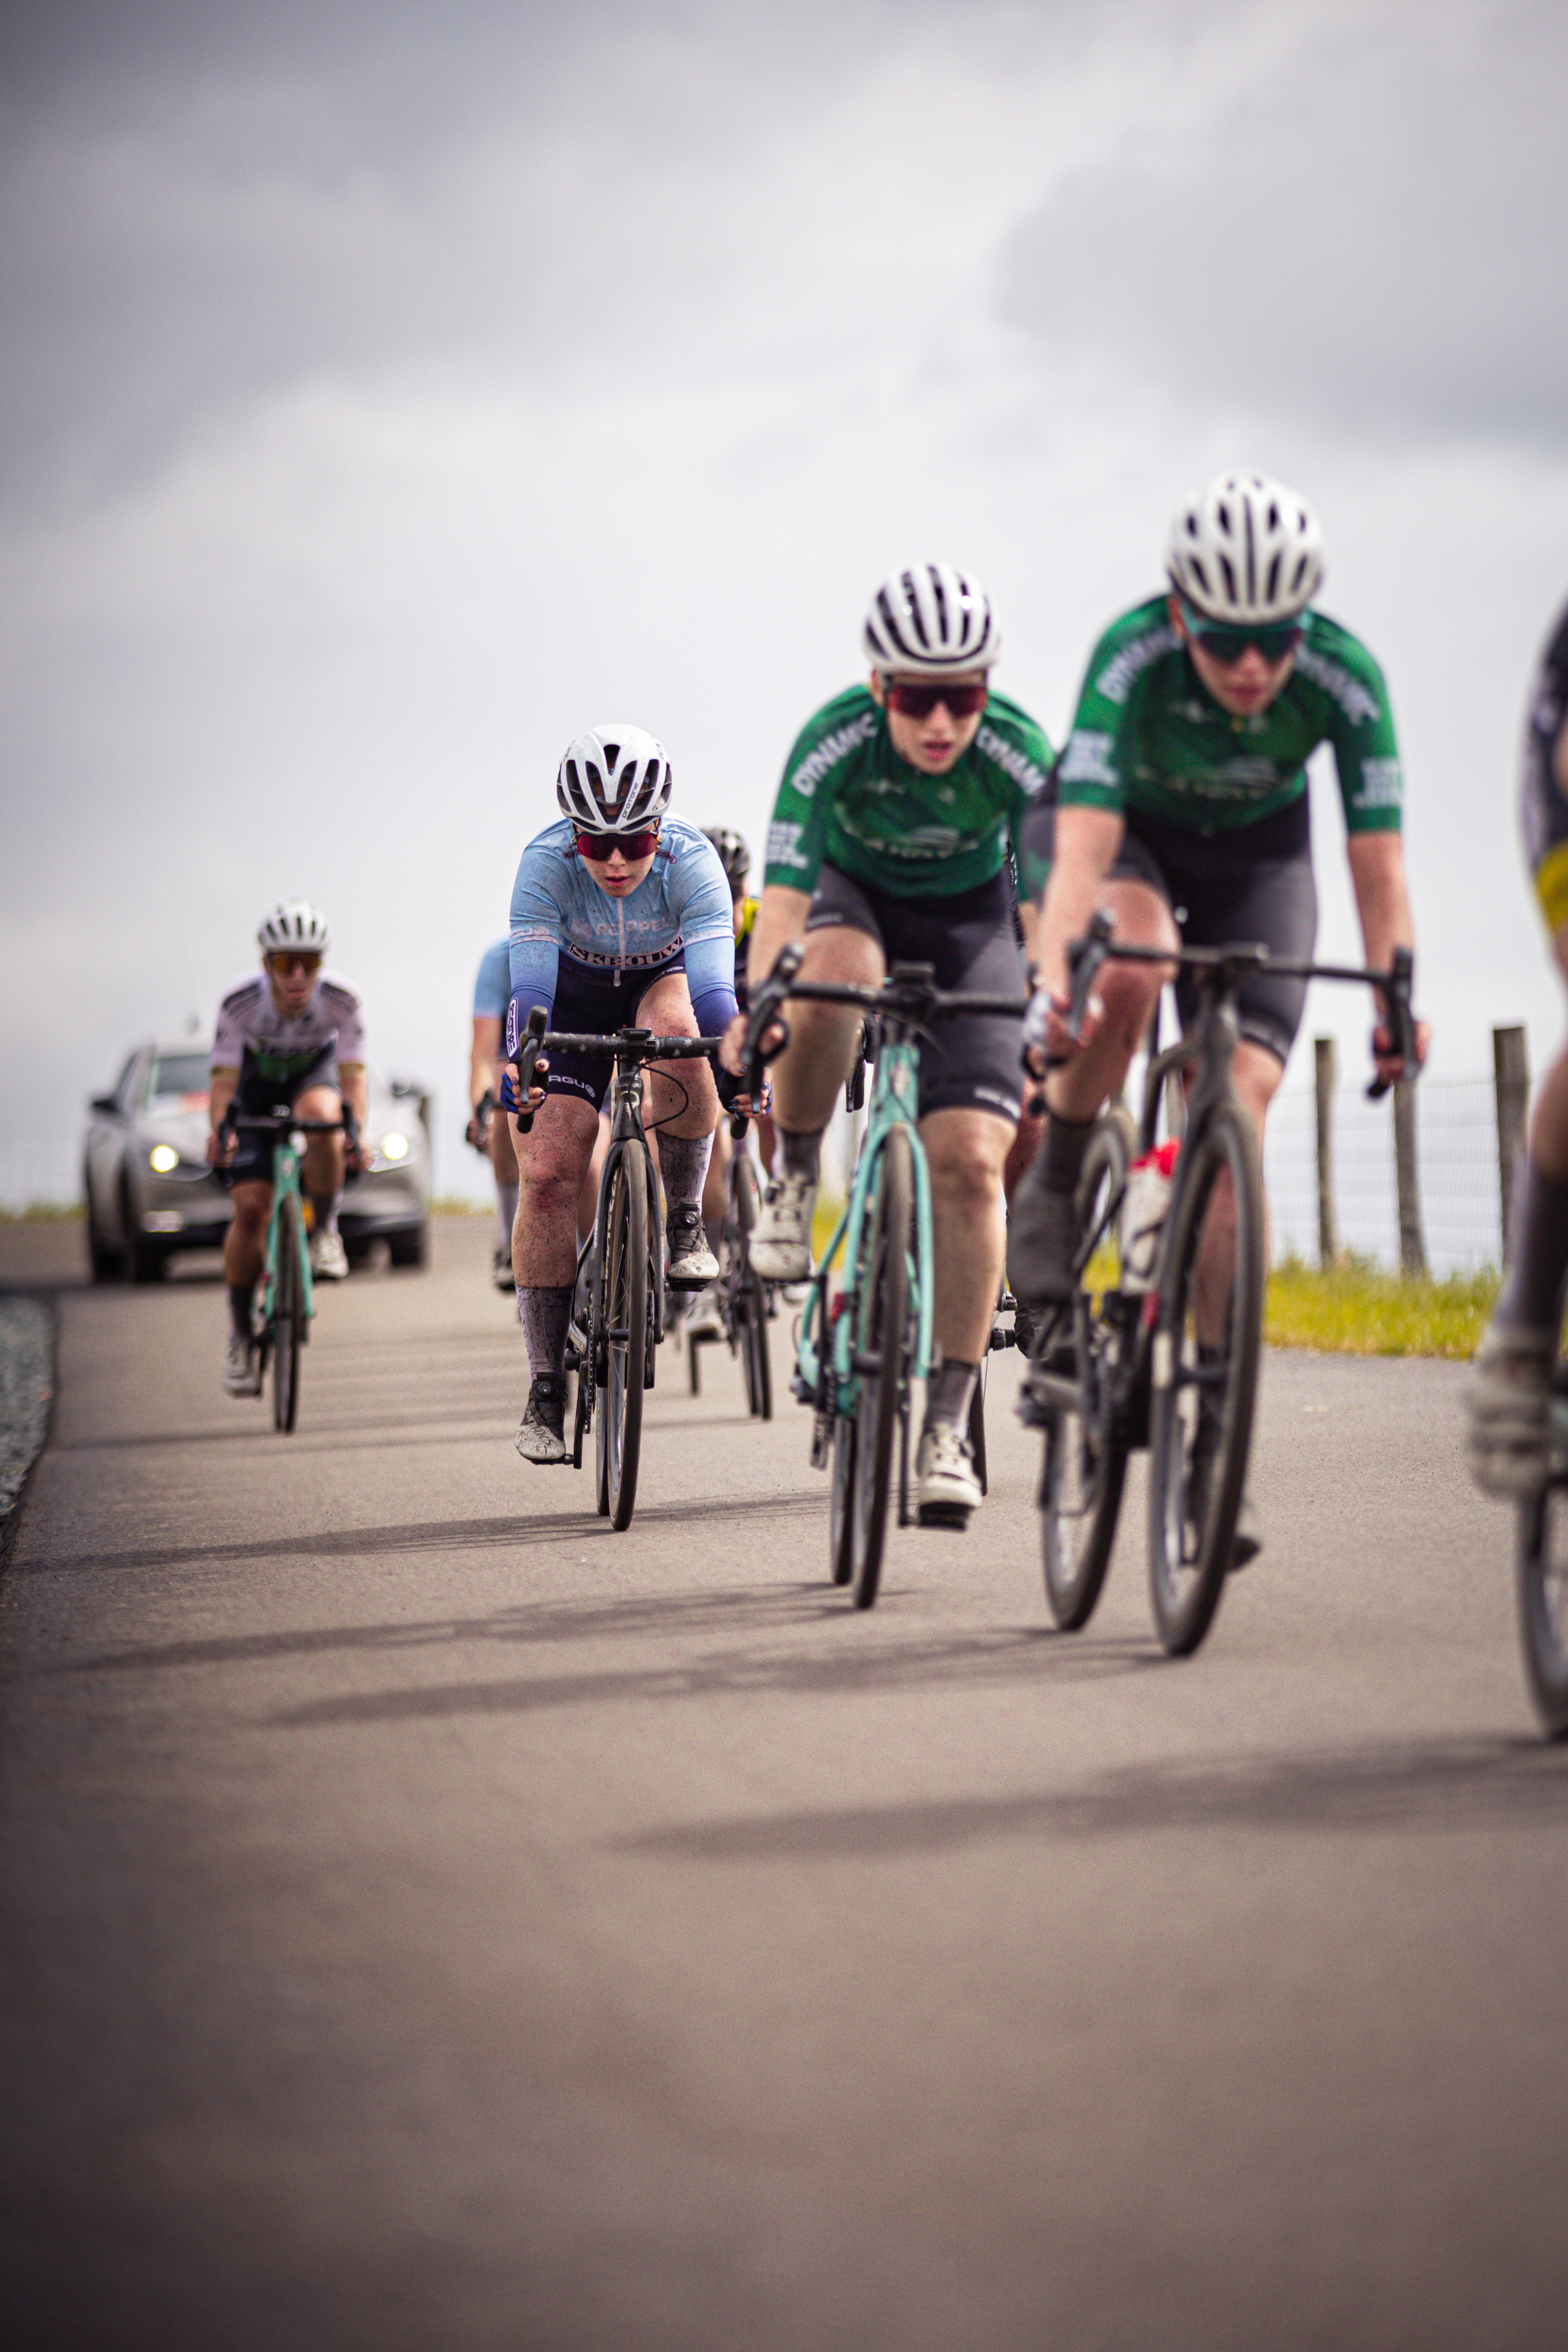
[965, 1149]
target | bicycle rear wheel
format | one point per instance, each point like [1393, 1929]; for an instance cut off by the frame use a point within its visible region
[1085, 1464]
[1202, 1401]
[626, 1338]
[1543, 1604]
[288, 1316]
[883, 1354]
[751, 1306]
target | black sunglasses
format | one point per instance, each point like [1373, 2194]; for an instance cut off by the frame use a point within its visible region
[912, 700]
[1227, 645]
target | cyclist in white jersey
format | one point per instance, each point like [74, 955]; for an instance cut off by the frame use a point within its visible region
[304, 1029]
[619, 914]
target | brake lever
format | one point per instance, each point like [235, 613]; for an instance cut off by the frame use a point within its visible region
[1401, 1020]
[532, 1040]
[1085, 957]
[764, 1013]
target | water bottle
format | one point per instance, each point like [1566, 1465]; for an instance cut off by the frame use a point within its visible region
[1144, 1207]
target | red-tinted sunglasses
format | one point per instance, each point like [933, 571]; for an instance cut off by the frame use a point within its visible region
[598, 848]
[913, 701]
[283, 963]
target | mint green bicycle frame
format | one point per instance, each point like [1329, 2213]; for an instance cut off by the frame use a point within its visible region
[286, 1178]
[895, 1102]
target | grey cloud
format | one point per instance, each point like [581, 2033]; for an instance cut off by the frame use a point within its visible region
[1374, 242]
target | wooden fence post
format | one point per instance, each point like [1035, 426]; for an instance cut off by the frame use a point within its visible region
[1511, 1066]
[1412, 1250]
[1325, 1061]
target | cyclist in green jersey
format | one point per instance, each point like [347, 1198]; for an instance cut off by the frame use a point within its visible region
[1179, 804]
[890, 842]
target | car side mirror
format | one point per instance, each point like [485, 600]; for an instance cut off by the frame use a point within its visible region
[105, 1105]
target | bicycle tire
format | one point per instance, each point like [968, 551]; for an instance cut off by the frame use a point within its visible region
[881, 1315]
[288, 1316]
[977, 1426]
[1542, 1583]
[752, 1329]
[1084, 1467]
[626, 1338]
[841, 1509]
[1189, 1557]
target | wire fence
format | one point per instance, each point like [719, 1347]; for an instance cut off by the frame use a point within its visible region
[1457, 1169]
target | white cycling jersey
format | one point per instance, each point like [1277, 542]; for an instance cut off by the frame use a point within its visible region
[284, 1047]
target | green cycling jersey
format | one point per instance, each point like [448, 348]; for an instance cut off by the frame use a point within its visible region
[849, 798]
[1146, 735]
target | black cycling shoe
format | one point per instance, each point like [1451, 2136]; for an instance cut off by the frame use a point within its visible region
[1042, 1240]
[541, 1432]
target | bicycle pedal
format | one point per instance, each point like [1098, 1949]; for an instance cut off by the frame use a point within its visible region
[953, 1516]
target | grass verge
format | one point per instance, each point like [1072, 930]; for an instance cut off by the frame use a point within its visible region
[44, 1213]
[1357, 1310]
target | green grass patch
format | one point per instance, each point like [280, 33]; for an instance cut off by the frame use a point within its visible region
[44, 1213]
[458, 1204]
[1357, 1310]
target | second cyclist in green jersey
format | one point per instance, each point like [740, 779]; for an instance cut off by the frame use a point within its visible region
[891, 841]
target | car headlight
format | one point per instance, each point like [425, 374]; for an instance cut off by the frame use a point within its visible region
[163, 1159]
[395, 1145]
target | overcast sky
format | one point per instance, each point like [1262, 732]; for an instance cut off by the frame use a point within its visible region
[390, 392]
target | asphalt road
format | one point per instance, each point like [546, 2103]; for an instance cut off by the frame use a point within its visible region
[432, 1920]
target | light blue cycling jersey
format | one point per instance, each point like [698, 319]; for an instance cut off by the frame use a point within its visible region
[492, 990]
[680, 908]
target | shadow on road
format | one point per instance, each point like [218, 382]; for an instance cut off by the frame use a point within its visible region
[1457, 1787]
[500, 1534]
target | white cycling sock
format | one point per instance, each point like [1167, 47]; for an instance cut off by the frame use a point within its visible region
[506, 1211]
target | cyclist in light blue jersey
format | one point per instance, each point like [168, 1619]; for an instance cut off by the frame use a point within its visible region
[620, 914]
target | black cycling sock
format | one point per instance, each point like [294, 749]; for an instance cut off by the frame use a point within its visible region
[1532, 1298]
[948, 1391]
[1061, 1152]
[683, 1164]
[544, 1309]
[324, 1212]
[799, 1154]
[241, 1301]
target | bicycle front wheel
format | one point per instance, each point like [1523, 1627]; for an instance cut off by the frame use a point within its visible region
[1544, 1605]
[288, 1314]
[1085, 1464]
[841, 1515]
[882, 1353]
[1203, 1395]
[626, 1338]
[750, 1303]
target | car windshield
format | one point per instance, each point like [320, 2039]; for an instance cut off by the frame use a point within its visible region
[177, 1082]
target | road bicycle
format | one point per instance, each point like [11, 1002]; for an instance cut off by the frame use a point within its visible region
[739, 1294]
[1543, 1575]
[865, 1333]
[1121, 1366]
[620, 1266]
[282, 1317]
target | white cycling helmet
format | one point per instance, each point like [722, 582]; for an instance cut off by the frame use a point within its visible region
[931, 620]
[1246, 548]
[293, 923]
[614, 778]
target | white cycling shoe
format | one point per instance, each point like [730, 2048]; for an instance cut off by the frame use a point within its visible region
[1508, 1404]
[947, 1490]
[329, 1259]
[781, 1239]
[241, 1366]
[692, 1263]
[703, 1319]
